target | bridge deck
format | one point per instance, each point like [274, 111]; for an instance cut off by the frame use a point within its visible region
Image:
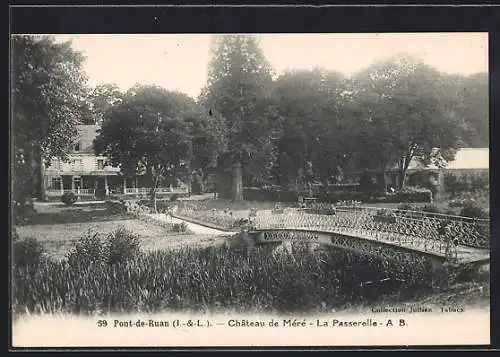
[464, 254]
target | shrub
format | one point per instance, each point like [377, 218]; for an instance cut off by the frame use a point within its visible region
[385, 215]
[333, 197]
[457, 202]
[457, 185]
[179, 227]
[450, 212]
[15, 235]
[410, 195]
[196, 188]
[473, 211]
[273, 194]
[87, 250]
[174, 197]
[119, 246]
[122, 245]
[22, 212]
[116, 207]
[431, 208]
[69, 198]
[27, 252]
[405, 206]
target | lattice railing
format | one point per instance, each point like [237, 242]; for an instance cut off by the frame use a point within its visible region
[400, 228]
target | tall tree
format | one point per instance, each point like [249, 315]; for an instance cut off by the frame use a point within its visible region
[239, 89]
[101, 99]
[474, 109]
[154, 132]
[48, 96]
[404, 116]
[313, 129]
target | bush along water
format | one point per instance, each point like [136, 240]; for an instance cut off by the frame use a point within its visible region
[114, 275]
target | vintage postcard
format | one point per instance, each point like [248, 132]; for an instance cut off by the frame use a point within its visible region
[209, 190]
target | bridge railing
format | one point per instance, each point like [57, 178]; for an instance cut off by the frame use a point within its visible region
[412, 229]
[401, 228]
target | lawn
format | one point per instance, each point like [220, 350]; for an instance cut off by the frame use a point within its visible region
[241, 209]
[58, 227]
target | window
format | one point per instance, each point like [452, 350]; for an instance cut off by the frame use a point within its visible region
[76, 164]
[77, 146]
[56, 183]
[100, 164]
[78, 182]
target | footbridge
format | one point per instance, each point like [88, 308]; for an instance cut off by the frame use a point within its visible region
[388, 233]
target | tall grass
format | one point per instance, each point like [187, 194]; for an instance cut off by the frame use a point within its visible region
[209, 279]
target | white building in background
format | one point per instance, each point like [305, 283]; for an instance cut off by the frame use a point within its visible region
[89, 175]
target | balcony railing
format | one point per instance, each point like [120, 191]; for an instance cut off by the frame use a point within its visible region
[76, 191]
[147, 190]
[85, 192]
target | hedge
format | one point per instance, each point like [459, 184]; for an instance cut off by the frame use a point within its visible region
[410, 194]
[269, 194]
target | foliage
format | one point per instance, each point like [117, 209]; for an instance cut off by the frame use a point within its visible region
[100, 100]
[219, 278]
[14, 234]
[69, 198]
[467, 98]
[315, 130]
[457, 185]
[366, 182]
[273, 194]
[403, 115]
[239, 90]
[27, 251]
[179, 227]
[119, 246]
[459, 202]
[410, 195]
[431, 208]
[159, 133]
[122, 245]
[48, 99]
[472, 210]
[174, 197]
[405, 206]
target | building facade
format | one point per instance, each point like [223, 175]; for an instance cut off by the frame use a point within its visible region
[89, 175]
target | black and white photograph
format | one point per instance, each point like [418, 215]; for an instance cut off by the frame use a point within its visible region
[262, 189]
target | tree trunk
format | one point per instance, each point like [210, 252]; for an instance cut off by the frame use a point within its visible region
[403, 168]
[41, 171]
[154, 179]
[383, 186]
[153, 194]
[402, 179]
[237, 181]
[189, 174]
[384, 182]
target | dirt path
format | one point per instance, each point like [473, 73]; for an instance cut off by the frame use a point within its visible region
[192, 227]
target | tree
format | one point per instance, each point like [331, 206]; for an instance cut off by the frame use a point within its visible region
[48, 96]
[151, 132]
[404, 115]
[314, 129]
[101, 99]
[239, 89]
[468, 100]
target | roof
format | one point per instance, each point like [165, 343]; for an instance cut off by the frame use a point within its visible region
[465, 159]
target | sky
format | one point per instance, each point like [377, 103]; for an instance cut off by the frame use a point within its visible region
[180, 61]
